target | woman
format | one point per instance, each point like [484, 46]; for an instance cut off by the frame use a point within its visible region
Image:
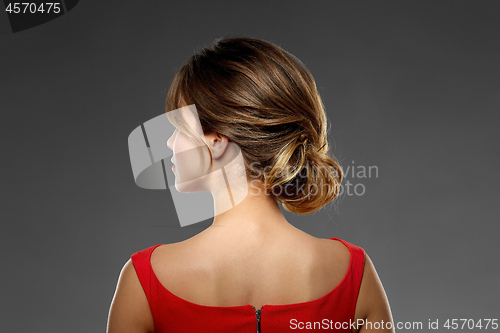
[251, 270]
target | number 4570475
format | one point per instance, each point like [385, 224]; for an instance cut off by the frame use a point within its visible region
[30, 7]
[461, 324]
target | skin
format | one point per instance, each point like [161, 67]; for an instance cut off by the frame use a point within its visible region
[218, 266]
[191, 159]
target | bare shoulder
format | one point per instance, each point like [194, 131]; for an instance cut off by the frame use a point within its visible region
[372, 305]
[336, 253]
[129, 311]
[328, 261]
[167, 255]
[182, 267]
[175, 248]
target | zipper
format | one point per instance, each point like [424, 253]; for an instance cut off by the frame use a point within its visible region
[257, 314]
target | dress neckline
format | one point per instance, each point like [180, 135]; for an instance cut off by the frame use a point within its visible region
[157, 281]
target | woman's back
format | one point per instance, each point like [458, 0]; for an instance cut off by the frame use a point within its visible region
[280, 267]
[285, 298]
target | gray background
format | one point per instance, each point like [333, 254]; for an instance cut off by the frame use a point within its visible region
[411, 87]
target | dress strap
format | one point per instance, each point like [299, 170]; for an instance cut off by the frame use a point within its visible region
[356, 268]
[142, 264]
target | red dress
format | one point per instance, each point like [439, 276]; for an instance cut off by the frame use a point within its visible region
[334, 311]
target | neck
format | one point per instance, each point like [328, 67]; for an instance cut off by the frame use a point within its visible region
[256, 210]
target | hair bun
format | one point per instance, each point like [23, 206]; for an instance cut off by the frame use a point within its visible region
[302, 178]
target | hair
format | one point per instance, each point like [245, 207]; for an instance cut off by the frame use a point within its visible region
[265, 100]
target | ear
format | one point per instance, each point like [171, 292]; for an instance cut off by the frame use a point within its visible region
[217, 144]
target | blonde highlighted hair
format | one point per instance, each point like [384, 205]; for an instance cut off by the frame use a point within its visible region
[265, 100]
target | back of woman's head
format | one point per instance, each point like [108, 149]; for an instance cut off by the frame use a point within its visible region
[265, 100]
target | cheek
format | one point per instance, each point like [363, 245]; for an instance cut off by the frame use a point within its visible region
[183, 146]
[188, 155]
